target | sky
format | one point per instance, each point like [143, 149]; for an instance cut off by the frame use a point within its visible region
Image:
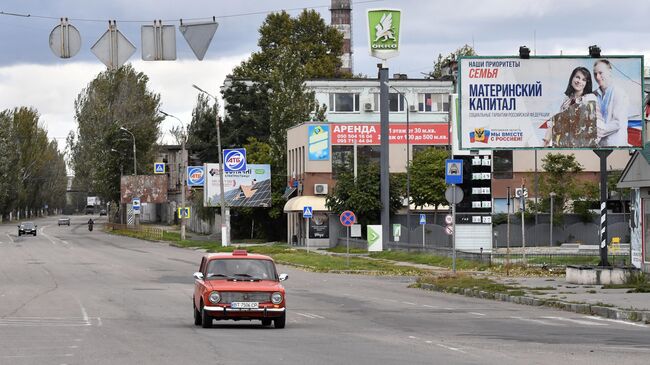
[32, 75]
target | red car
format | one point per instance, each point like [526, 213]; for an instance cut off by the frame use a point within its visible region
[238, 286]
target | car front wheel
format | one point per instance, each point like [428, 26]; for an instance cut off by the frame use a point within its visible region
[280, 321]
[197, 316]
[206, 320]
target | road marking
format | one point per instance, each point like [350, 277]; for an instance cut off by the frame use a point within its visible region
[309, 315]
[617, 321]
[409, 303]
[28, 356]
[586, 323]
[476, 313]
[451, 348]
[43, 321]
[538, 321]
[429, 306]
[10, 239]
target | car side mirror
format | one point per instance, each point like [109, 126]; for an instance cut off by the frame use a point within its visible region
[284, 277]
[198, 275]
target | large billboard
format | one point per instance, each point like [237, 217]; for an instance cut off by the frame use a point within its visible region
[551, 102]
[148, 188]
[249, 188]
[369, 133]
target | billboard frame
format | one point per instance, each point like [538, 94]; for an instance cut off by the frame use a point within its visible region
[459, 118]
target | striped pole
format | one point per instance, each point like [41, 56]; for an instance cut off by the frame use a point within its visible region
[602, 154]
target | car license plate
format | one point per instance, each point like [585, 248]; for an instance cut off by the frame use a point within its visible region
[244, 305]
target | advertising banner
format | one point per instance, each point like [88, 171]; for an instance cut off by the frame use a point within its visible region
[553, 102]
[319, 225]
[319, 142]
[369, 133]
[249, 188]
[384, 32]
[195, 176]
[374, 238]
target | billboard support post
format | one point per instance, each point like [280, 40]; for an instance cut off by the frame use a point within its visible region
[602, 154]
[384, 177]
[508, 236]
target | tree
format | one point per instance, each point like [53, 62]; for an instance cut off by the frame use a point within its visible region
[361, 195]
[428, 177]
[100, 150]
[202, 132]
[442, 63]
[560, 177]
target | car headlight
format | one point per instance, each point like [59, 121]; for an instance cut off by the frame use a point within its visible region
[214, 297]
[276, 298]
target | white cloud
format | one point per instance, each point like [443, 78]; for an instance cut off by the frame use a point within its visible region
[52, 89]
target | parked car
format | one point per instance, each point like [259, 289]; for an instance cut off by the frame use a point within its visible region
[27, 228]
[64, 221]
[238, 286]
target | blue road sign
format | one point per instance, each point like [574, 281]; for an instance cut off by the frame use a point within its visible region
[347, 218]
[307, 212]
[234, 160]
[454, 172]
[159, 168]
[195, 176]
[423, 219]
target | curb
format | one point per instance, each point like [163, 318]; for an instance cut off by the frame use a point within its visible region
[606, 312]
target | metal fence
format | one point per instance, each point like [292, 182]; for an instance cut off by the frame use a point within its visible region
[149, 232]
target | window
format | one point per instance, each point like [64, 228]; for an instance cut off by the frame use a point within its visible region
[342, 159]
[429, 102]
[344, 102]
[502, 168]
[395, 102]
[366, 154]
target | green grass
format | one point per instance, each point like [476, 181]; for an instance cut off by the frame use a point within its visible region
[446, 282]
[427, 259]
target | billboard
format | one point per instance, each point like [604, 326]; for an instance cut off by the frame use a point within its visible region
[384, 32]
[550, 102]
[148, 188]
[319, 142]
[369, 133]
[249, 188]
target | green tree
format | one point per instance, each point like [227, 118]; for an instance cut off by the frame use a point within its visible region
[202, 132]
[100, 150]
[427, 172]
[561, 178]
[442, 63]
[361, 195]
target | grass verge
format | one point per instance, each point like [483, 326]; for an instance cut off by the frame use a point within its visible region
[462, 281]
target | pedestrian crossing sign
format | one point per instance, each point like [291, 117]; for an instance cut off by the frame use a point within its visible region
[159, 168]
[183, 212]
[307, 212]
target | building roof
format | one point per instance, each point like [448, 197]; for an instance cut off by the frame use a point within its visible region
[636, 173]
[296, 204]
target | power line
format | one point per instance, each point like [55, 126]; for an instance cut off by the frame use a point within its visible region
[173, 20]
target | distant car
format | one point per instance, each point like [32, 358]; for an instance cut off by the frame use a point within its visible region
[64, 221]
[27, 228]
[102, 212]
[238, 286]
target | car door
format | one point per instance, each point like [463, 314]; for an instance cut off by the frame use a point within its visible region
[199, 285]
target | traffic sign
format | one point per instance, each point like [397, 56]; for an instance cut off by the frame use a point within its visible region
[347, 218]
[307, 212]
[112, 48]
[449, 230]
[454, 194]
[449, 219]
[454, 171]
[519, 192]
[199, 36]
[183, 212]
[135, 203]
[234, 159]
[158, 42]
[195, 176]
[65, 40]
[423, 219]
[159, 168]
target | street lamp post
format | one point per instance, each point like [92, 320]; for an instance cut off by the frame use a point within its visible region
[225, 211]
[408, 173]
[182, 172]
[552, 195]
[135, 163]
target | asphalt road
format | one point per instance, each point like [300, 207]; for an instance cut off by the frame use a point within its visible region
[69, 296]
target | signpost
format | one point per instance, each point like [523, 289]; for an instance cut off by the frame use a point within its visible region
[423, 222]
[347, 219]
[307, 213]
[454, 195]
[159, 168]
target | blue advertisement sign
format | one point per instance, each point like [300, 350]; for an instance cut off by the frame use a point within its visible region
[319, 142]
[234, 160]
[195, 176]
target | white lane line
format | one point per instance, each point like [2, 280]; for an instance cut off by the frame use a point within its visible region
[451, 348]
[586, 323]
[476, 313]
[409, 303]
[83, 312]
[413, 337]
[449, 309]
[429, 306]
[538, 321]
[304, 315]
[99, 321]
[10, 239]
[30, 356]
[617, 321]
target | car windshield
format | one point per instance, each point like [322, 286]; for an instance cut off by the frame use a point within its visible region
[27, 225]
[241, 269]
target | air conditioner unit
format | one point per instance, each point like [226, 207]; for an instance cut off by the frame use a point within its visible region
[320, 189]
[413, 108]
[367, 107]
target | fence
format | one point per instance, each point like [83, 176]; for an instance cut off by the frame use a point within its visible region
[149, 232]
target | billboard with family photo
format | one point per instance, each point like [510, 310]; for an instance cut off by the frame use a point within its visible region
[551, 102]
